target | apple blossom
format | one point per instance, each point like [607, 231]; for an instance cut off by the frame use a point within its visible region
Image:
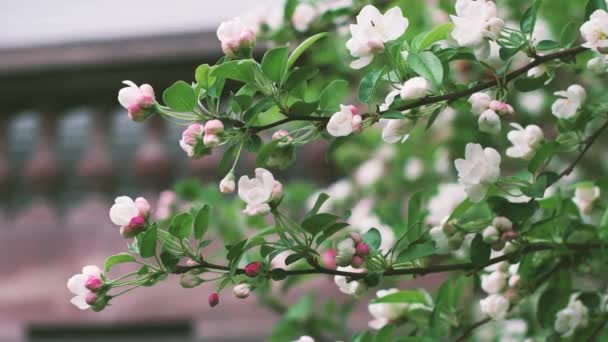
[371, 31]
[494, 282]
[440, 235]
[129, 215]
[237, 39]
[570, 102]
[491, 235]
[584, 196]
[344, 122]
[501, 108]
[282, 134]
[227, 184]
[214, 299]
[259, 192]
[595, 31]
[412, 89]
[138, 101]
[479, 170]
[495, 306]
[384, 313]
[191, 139]
[525, 141]
[396, 130]
[347, 286]
[345, 250]
[81, 286]
[537, 71]
[211, 140]
[241, 291]
[489, 122]
[480, 102]
[414, 168]
[303, 15]
[474, 23]
[572, 317]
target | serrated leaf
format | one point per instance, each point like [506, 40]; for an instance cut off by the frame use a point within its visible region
[148, 243]
[117, 259]
[427, 65]
[181, 225]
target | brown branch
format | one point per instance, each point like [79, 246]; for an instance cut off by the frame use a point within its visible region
[440, 98]
[469, 330]
[578, 247]
[588, 142]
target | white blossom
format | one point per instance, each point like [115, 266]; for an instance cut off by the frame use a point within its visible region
[344, 122]
[597, 64]
[354, 287]
[491, 235]
[479, 102]
[572, 317]
[537, 71]
[495, 306]
[369, 172]
[595, 31]
[258, 192]
[371, 31]
[584, 196]
[305, 339]
[489, 122]
[494, 282]
[77, 285]
[303, 15]
[570, 102]
[414, 168]
[385, 312]
[474, 23]
[525, 141]
[396, 130]
[235, 36]
[412, 89]
[440, 238]
[479, 170]
[241, 290]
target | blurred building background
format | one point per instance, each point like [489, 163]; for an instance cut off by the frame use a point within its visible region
[67, 149]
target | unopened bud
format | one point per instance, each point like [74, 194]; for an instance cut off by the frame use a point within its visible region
[211, 140]
[91, 298]
[328, 258]
[227, 185]
[356, 237]
[214, 299]
[277, 193]
[213, 127]
[282, 134]
[189, 280]
[502, 223]
[455, 241]
[357, 261]
[142, 206]
[491, 235]
[362, 249]
[253, 269]
[514, 280]
[509, 235]
[93, 284]
[241, 290]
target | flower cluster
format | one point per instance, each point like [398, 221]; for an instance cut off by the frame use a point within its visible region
[345, 122]
[198, 138]
[89, 289]
[501, 286]
[475, 24]
[236, 37]
[489, 112]
[130, 215]
[479, 170]
[138, 101]
[351, 251]
[499, 233]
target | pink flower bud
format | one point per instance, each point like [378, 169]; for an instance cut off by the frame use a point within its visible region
[509, 235]
[357, 261]
[328, 258]
[142, 206]
[214, 299]
[137, 221]
[253, 269]
[280, 134]
[277, 192]
[356, 237]
[91, 298]
[211, 140]
[227, 185]
[214, 127]
[93, 284]
[514, 280]
[362, 249]
[501, 108]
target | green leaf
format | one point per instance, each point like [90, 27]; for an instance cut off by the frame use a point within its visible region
[117, 259]
[265, 152]
[593, 5]
[318, 203]
[235, 251]
[427, 65]
[530, 84]
[169, 260]
[516, 212]
[327, 233]
[241, 70]
[368, 85]
[300, 75]
[332, 96]
[438, 33]
[148, 243]
[290, 7]
[416, 251]
[202, 76]
[543, 181]
[201, 221]
[274, 64]
[181, 225]
[260, 107]
[393, 114]
[414, 209]
[373, 238]
[303, 47]
[480, 252]
[385, 334]
[545, 45]
[569, 34]
[180, 97]
[293, 258]
[528, 20]
[544, 153]
[554, 298]
[318, 223]
[405, 296]
[228, 157]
